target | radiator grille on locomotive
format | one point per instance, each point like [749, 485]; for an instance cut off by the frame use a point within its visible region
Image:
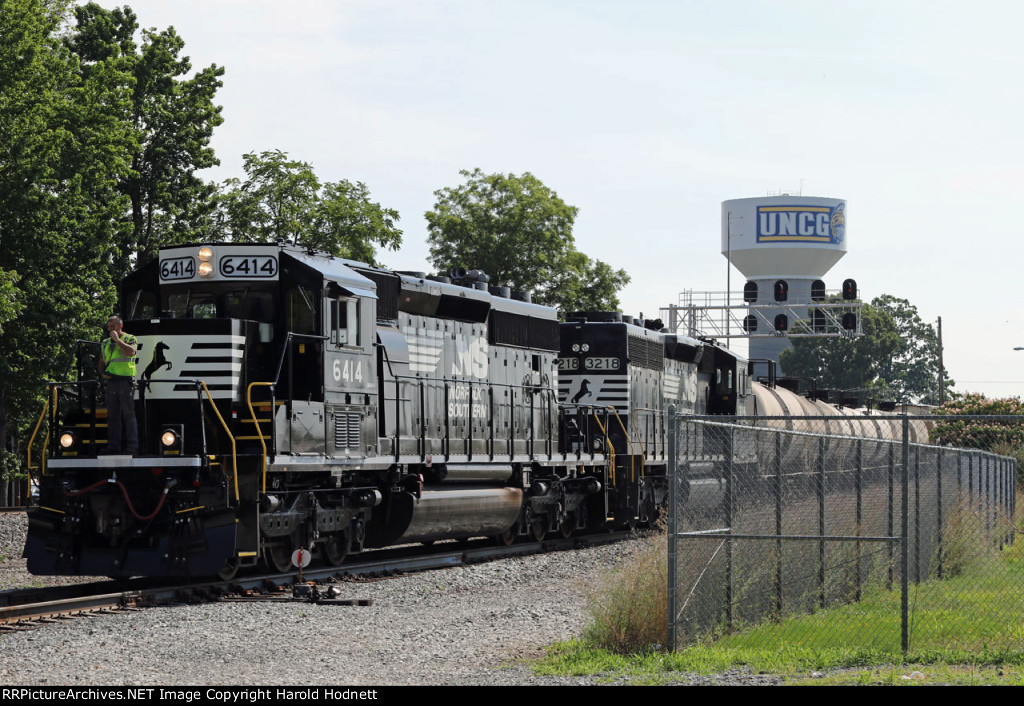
[646, 353]
[346, 430]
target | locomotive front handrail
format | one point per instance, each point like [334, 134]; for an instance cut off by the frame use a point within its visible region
[259, 432]
[625, 433]
[29, 467]
[76, 355]
[234, 458]
[608, 441]
[285, 351]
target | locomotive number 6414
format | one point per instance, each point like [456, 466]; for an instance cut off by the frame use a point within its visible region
[255, 266]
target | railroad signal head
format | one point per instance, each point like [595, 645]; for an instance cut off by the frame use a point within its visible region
[850, 322]
[849, 289]
[781, 322]
[781, 290]
[817, 291]
[750, 323]
[750, 292]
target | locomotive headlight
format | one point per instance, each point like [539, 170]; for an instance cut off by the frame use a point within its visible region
[585, 347]
[67, 439]
[575, 348]
[171, 440]
[205, 269]
[205, 253]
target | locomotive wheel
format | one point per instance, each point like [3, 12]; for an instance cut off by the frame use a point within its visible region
[278, 558]
[506, 538]
[229, 571]
[567, 526]
[538, 528]
[336, 549]
[653, 513]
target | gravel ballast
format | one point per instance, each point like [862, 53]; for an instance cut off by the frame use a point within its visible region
[467, 625]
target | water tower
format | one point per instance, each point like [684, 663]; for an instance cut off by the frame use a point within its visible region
[784, 246]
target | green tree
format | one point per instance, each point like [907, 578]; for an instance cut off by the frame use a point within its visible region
[63, 150]
[912, 371]
[519, 232]
[897, 357]
[282, 199]
[171, 115]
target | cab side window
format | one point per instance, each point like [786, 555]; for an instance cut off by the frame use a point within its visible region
[345, 322]
[301, 311]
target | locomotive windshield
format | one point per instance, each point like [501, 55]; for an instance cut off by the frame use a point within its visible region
[215, 302]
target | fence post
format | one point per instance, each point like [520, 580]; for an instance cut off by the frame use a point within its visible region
[904, 542]
[778, 524]
[673, 510]
[821, 521]
[970, 479]
[1002, 498]
[1012, 498]
[917, 514]
[890, 519]
[730, 487]
[959, 476]
[938, 493]
[859, 482]
[986, 497]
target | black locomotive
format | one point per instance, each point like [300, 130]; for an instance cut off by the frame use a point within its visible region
[287, 399]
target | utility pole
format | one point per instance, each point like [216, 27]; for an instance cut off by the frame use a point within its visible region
[942, 371]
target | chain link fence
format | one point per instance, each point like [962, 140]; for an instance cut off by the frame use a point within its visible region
[847, 531]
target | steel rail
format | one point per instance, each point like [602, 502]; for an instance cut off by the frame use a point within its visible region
[143, 594]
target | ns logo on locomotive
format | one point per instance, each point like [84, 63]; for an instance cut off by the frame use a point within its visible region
[287, 399]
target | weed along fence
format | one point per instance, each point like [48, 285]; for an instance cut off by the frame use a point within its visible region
[850, 531]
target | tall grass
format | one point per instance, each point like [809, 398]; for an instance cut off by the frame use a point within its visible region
[628, 606]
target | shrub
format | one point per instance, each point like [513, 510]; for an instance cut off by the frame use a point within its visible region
[628, 606]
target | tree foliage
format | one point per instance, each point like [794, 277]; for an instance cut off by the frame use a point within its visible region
[282, 199]
[519, 232]
[170, 116]
[63, 151]
[897, 357]
[997, 435]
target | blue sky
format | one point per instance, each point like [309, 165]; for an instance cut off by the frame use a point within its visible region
[647, 115]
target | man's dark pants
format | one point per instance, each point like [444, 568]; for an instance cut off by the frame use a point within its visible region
[121, 414]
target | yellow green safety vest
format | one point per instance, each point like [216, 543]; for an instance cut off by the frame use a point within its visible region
[120, 365]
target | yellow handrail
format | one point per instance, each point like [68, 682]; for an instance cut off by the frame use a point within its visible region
[640, 441]
[632, 453]
[611, 448]
[32, 440]
[234, 459]
[263, 444]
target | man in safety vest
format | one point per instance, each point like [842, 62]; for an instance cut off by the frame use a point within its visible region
[117, 367]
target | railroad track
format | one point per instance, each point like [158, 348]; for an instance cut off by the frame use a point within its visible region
[30, 608]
